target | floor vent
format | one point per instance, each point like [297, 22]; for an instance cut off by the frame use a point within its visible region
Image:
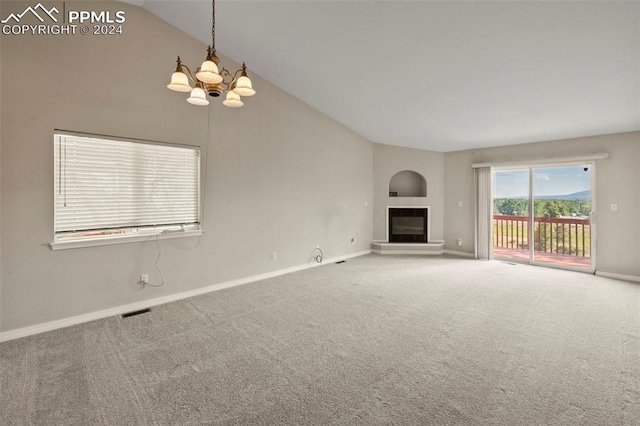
[342, 261]
[134, 313]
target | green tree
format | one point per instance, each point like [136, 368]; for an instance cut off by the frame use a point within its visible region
[511, 206]
[555, 208]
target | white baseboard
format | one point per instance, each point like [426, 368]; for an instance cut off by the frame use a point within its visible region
[618, 276]
[118, 310]
[460, 253]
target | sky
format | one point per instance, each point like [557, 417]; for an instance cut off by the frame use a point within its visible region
[546, 181]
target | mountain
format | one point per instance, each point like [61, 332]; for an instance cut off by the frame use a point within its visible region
[582, 195]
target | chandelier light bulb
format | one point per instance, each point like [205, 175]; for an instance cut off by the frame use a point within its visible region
[244, 87]
[198, 97]
[233, 100]
[179, 82]
[209, 73]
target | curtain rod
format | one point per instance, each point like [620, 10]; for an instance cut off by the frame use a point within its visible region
[574, 159]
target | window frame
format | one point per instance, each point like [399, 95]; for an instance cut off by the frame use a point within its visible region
[131, 234]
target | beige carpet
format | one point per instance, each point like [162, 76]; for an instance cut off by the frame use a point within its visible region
[376, 340]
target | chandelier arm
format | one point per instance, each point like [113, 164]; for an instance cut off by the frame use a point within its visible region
[234, 77]
[225, 73]
[191, 77]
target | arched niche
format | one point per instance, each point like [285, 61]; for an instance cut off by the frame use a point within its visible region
[408, 183]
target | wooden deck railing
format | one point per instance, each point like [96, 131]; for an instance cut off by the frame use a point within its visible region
[567, 236]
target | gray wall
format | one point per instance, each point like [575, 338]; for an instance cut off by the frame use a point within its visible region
[618, 181]
[1, 144]
[389, 160]
[280, 176]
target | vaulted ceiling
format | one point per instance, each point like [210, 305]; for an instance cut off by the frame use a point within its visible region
[439, 75]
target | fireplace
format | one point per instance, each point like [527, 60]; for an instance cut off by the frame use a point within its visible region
[408, 224]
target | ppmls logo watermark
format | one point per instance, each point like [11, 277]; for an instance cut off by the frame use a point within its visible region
[67, 22]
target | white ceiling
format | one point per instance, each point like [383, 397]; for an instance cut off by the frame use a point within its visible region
[439, 75]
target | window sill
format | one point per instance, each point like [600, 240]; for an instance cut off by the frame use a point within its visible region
[121, 239]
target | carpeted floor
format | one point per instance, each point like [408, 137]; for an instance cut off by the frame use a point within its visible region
[376, 340]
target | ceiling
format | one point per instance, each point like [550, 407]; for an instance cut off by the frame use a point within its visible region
[439, 75]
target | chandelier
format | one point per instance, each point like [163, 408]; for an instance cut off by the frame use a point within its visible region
[208, 79]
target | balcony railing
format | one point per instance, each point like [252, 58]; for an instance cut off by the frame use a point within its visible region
[567, 236]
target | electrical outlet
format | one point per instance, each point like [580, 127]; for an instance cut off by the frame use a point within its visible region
[144, 279]
[353, 241]
[614, 207]
[274, 255]
[459, 242]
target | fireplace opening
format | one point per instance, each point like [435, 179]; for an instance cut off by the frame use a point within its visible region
[408, 225]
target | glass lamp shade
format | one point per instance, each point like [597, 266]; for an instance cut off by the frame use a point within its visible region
[243, 87]
[179, 82]
[232, 100]
[209, 73]
[198, 97]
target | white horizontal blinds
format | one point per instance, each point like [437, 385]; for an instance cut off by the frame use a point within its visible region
[105, 184]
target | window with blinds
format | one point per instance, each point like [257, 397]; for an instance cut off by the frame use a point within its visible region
[106, 186]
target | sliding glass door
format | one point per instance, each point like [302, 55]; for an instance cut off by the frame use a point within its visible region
[511, 209]
[562, 216]
[543, 215]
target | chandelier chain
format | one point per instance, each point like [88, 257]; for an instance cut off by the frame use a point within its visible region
[213, 25]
